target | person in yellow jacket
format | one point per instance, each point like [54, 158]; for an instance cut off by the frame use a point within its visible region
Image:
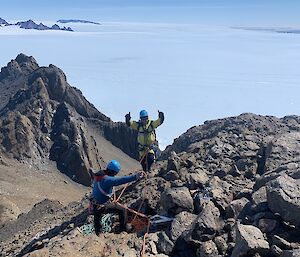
[146, 136]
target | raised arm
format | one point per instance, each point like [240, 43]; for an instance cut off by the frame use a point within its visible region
[160, 120]
[133, 124]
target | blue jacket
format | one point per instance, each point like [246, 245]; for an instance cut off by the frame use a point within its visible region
[102, 190]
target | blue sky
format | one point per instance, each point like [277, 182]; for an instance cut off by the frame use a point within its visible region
[215, 12]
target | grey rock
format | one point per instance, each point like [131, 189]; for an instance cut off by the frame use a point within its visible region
[282, 243]
[235, 207]
[276, 250]
[282, 149]
[291, 253]
[207, 249]
[267, 225]
[283, 196]
[221, 243]
[197, 180]
[176, 200]
[259, 200]
[171, 175]
[221, 192]
[153, 247]
[191, 161]
[250, 240]
[182, 222]
[174, 162]
[164, 244]
[206, 225]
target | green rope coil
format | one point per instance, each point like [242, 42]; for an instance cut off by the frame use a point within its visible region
[107, 222]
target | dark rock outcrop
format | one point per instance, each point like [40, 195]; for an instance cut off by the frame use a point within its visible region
[42, 115]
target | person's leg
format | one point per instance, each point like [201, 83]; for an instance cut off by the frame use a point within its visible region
[144, 163]
[122, 213]
[150, 160]
[97, 222]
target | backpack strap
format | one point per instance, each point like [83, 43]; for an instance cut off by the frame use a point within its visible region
[101, 189]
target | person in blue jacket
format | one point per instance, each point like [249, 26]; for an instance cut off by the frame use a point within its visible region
[104, 181]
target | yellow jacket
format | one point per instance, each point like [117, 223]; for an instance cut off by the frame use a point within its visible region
[146, 135]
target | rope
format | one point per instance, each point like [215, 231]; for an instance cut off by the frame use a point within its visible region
[144, 240]
[115, 199]
[139, 209]
[106, 222]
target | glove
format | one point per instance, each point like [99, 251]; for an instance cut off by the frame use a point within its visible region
[140, 175]
[127, 119]
[161, 116]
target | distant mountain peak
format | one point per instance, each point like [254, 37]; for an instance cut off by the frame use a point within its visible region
[3, 22]
[30, 24]
[78, 21]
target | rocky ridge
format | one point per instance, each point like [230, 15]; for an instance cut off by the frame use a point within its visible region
[30, 24]
[42, 116]
[231, 185]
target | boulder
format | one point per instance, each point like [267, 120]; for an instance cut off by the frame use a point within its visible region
[259, 200]
[191, 161]
[250, 240]
[267, 225]
[171, 175]
[276, 251]
[221, 192]
[283, 196]
[206, 225]
[197, 179]
[207, 249]
[291, 253]
[176, 200]
[234, 209]
[221, 243]
[182, 222]
[174, 162]
[282, 149]
[282, 243]
[164, 244]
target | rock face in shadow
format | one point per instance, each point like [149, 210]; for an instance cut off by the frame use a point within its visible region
[42, 116]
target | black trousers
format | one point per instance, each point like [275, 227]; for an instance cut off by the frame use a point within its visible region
[109, 208]
[147, 161]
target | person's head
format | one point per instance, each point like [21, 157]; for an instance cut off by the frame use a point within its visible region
[113, 168]
[144, 116]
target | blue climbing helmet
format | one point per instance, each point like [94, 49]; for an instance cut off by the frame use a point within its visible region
[143, 114]
[114, 166]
